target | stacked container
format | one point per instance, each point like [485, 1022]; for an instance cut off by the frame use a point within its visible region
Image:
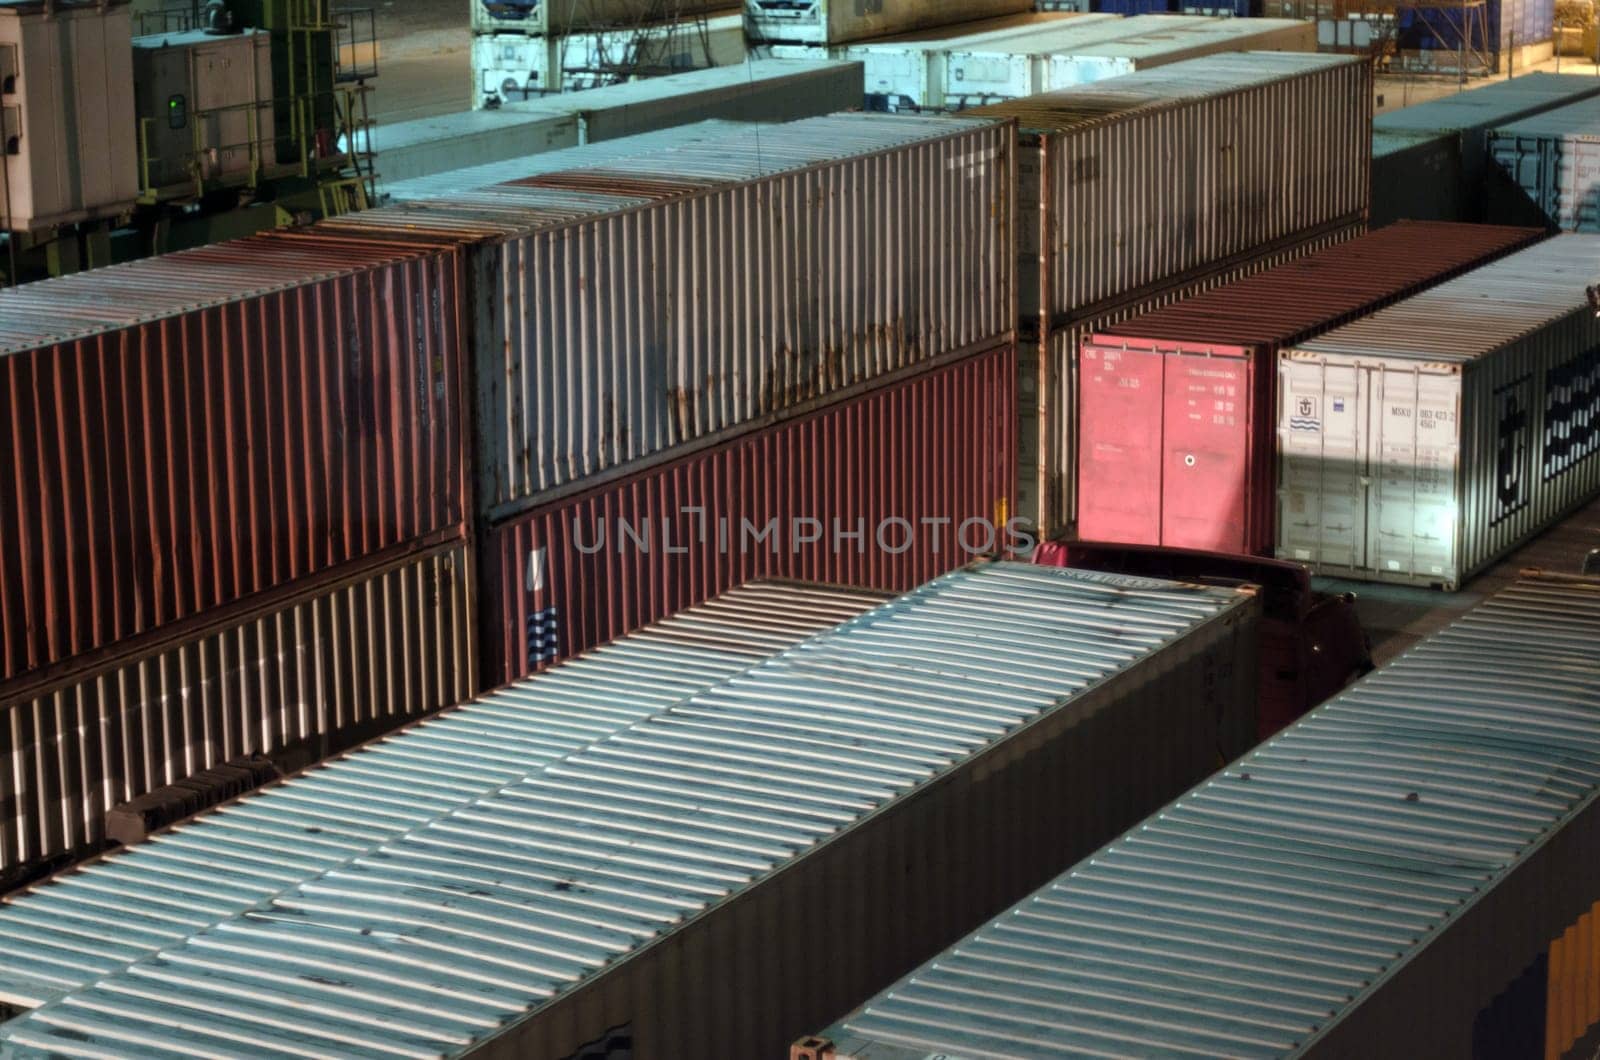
[1547, 168]
[1279, 144]
[1192, 38]
[238, 473]
[826, 23]
[1176, 406]
[1425, 441]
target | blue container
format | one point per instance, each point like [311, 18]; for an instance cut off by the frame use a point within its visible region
[1508, 24]
[1134, 7]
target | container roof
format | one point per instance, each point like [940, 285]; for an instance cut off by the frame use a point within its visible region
[1576, 121]
[1261, 907]
[62, 934]
[1490, 105]
[637, 833]
[1477, 314]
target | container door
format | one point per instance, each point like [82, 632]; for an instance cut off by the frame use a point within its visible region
[1322, 463]
[1119, 472]
[1411, 521]
[1206, 457]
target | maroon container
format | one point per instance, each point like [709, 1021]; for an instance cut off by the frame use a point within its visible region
[184, 432]
[935, 447]
[1176, 406]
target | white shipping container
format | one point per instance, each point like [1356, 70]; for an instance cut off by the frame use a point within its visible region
[909, 71]
[514, 67]
[1424, 442]
[1017, 65]
[830, 22]
[1203, 36]
[1276, 149]
[629, 310]
[539, 18]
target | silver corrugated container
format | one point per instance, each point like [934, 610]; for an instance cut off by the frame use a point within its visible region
[825, 22]
[722, 284]
[63, 934]
[1196, 36]
[1547, 169]
[317, 672]
[1422, 443]
[764, 90]
[1278, 145]
[672, 889]
[1047, 385]
[1362, 885]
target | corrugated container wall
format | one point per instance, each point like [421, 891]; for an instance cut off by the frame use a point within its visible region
[932, 451]
[759, 274]
[1176, 407]
[717, 842]
[1546, 169]
[1426, 441]
[317, 672]
[1281, 143]
[1200, 37]
[190, 430]
[1417, 178]
[829, 22]
[1362, 885]
[1468, 116]
[62, 934]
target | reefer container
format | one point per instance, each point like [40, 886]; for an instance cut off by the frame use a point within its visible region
[315, 670]
[186, 431]
[67, 147]
[911, 71]
[1468, 116]
[1014, 66]
[1362, 885]
[664, 890]
[512, 67]
[1422, 443]
[1175, 406]
[829, 22]
[1280, 143]
[1548, 169]
[1200, 37]
[1416, 177]
[748, 277]
[62, 934]
[917, 473]
[538, 18]
[204, 105]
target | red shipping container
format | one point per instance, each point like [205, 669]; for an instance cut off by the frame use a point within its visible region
[1176, 406]
[920, 469]
[185, 432]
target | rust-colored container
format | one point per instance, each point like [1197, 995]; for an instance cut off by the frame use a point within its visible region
[187, 431]
[921, 469]
[1176, 407]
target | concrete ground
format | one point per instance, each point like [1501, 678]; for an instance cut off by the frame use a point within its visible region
[424, 59]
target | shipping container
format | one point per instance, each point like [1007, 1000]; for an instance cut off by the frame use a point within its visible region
[317, 671]
[667, 889]
[764, 90]
[62, 934]
[1363, 885]
[538, 18]
[1571, 1009]
[1200, 37]
[1495, 37]
[1176, 410]
[831, 22]
[744, 278]
[1468, 117]
[513, 67]
[453, 182]
[1047, 379]
[1225, 9]
[912, 71]
[1546, 169]
[1015, 66]
[187, 431]
[919, 471]
[1425, 441]
[1417, 177]
[1282, 144]
[1134, 7]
